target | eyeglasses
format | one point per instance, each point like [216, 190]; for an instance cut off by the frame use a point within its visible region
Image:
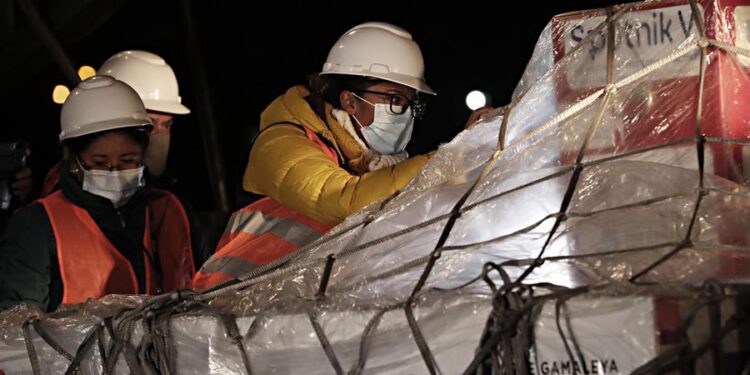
[399, 103]
[106, 166]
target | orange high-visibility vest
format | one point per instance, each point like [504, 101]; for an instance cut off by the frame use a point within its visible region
[260, 233]
[92, 267]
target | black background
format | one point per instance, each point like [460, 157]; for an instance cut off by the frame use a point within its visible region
[252, 53]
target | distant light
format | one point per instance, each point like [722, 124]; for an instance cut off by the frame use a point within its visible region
[59, 94]
[476, 99]
[86, 72]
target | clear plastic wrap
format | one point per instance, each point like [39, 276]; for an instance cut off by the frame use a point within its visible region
[599, 222]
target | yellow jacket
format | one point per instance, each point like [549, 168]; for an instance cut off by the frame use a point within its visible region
[287, 166]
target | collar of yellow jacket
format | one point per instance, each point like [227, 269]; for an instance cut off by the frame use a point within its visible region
[292, 107]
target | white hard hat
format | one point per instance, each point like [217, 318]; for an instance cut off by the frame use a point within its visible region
[98, 104]
[150, 76]
[379, 50]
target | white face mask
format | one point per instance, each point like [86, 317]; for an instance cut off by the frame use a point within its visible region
[389, 133]
[156, 153]
[117, 186]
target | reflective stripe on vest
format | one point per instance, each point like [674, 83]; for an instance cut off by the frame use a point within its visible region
[92, 267]
[260, 233]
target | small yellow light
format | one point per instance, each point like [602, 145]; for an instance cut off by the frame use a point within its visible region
[86, 72]
[59, 94]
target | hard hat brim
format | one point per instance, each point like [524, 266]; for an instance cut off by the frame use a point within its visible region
[166, 107]
[103, 126]
[401, 79]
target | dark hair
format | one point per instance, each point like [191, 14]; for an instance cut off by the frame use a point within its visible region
[78, 144]
[329, 86]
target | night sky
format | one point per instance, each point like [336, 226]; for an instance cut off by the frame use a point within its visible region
[251, 56]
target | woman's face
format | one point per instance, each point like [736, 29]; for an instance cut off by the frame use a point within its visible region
[383, 92]
[112, 151]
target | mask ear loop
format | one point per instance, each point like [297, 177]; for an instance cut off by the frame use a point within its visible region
[358, 123]
[362, 99]
[77, 168]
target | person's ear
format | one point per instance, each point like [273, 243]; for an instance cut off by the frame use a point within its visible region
[75, 169]
[347, 102]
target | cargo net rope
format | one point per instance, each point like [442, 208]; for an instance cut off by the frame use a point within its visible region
[596, 224]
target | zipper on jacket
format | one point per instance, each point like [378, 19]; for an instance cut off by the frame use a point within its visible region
[122, 219]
